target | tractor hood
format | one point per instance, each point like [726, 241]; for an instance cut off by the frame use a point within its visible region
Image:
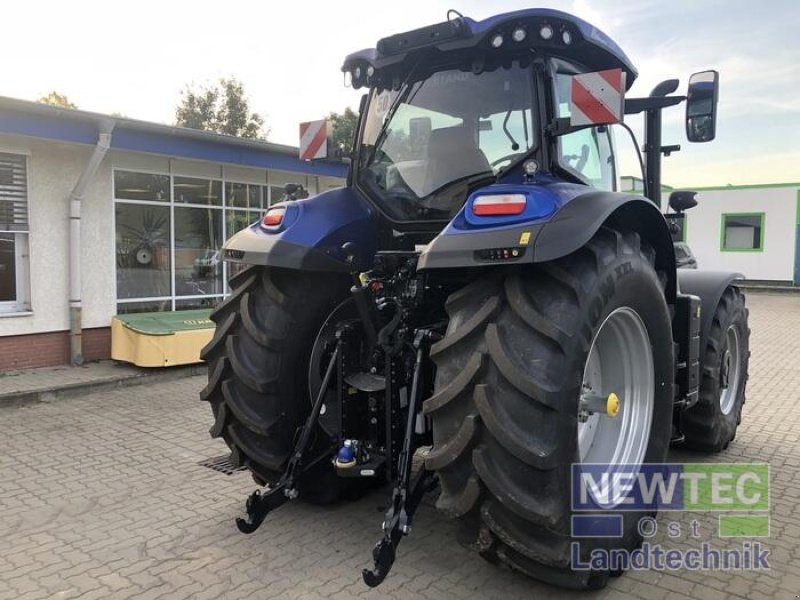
[515, 33]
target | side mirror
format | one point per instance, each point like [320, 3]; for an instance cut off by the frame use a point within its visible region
[701, 106]
[681, 201]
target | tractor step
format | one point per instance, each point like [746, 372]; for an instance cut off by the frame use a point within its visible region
[366, 382]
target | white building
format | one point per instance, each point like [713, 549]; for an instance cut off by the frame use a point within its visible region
[155, 204]
[753, 229]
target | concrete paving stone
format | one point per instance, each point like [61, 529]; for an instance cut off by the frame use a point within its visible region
[103, 497]
[702, 592]
[31, 595]
[649, 592]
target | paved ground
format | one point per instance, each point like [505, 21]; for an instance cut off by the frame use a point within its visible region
[102, 497]
[32, 385]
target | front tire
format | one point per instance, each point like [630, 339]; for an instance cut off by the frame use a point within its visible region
[710, 425]
[510, 371]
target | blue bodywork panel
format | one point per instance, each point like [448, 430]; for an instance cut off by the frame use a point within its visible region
[539, 203]
[545, 197]
[313, 230]
[560, 218]
[330, 219]
[311, 235]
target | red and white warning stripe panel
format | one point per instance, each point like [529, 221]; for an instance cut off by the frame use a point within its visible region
[597, 98]
[313, 138]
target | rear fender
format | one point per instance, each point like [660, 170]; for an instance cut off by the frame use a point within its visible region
[709, 287]
[575, 224]
[312, 235]
[578, 217]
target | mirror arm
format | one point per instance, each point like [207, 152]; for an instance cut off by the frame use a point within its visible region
[637, 105]
[665, 88]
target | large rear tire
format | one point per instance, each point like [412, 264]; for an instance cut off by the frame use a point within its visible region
[258, 369]
[510, 371]
[710, 425]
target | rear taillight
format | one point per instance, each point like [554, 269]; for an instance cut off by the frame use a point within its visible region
[274, 218]
[496, 205]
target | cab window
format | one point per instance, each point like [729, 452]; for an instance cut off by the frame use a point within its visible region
[503, 136]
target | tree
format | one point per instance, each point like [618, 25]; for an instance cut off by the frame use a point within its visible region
[343, 127]
[56, 99]
[223, 108]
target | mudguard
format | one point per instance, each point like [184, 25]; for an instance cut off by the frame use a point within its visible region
[709, 287]
[311, 235]
[578, 212]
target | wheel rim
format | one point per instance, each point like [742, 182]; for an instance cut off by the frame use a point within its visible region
[620, 361]
[729, 372]
[324, 342]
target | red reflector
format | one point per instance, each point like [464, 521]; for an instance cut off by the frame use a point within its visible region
[273, 218]
[499, 205]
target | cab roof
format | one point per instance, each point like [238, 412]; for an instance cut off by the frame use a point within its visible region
[570, 38]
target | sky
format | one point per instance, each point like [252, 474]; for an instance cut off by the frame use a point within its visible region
[135, 58]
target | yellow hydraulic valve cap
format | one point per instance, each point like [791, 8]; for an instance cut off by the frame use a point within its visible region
[612, 405]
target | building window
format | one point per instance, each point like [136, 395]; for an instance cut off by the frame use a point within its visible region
[143, 251]
[276, 194]
[14, 277]
[141, 186]
[243, 195]
[742, 232]
[198, 239]
[169, 235]
[190, 190]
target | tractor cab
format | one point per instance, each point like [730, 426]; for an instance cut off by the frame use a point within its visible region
[463, 104]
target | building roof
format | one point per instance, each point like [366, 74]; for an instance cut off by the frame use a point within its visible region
[631, 183]
[21, 117]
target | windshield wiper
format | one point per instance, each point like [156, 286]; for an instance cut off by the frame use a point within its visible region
[514, 144]
[405, 89]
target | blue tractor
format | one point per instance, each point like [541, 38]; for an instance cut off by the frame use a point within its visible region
[480, 307]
